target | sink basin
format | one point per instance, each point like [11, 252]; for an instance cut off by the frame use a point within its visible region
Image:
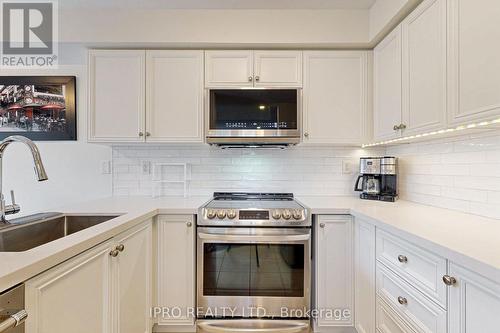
[31, 231]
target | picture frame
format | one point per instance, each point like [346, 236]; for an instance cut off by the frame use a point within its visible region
[41, 108]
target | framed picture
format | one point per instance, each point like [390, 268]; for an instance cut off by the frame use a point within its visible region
[42, 108]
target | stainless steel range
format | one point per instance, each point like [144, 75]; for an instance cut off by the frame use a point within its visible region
[254, 257]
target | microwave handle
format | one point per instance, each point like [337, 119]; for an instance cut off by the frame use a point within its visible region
[255, 238]
[356, 186]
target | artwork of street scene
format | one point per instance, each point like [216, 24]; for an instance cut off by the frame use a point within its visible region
[32, 108]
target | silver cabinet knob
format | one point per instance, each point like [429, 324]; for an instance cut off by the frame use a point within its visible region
[250, 79]
[120, 247]
[114, 253]
[189, 224]
[148, 134]
[402, 126]
[257, 78]
[402, 300]
[402, 259]
[321, 225]
[306, 134]
[141, 134]
[396, 127]
[449, 280]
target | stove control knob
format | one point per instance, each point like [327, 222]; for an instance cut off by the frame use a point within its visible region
[211, 214]
[276, 214]
[231, 214]
[287, 214]
[297, 214]
[221, 213]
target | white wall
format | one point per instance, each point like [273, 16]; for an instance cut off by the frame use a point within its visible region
[301, 170]
[461, 173]
[74, 168]
[198, 28]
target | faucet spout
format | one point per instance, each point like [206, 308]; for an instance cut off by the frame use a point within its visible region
[40, 172]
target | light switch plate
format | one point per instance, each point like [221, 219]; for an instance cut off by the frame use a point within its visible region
[146, 167]
[348, 167]
[106, 167]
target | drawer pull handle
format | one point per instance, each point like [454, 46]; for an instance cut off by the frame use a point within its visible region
[449, 280]
[402, 259]
[402, 300]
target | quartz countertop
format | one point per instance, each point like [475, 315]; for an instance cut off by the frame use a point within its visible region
[466, 239]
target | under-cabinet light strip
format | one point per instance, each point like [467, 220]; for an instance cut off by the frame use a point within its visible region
[443, 131]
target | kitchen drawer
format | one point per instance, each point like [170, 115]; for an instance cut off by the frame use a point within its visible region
[422, 314]
[422, 269]
[388, 321]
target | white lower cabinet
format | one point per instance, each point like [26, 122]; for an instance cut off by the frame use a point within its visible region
[388, 321]
[106, 289]
[176, 266]
[474, 302]
[364, 276]
[334, 271]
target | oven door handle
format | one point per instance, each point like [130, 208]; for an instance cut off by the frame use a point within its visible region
[255, 238]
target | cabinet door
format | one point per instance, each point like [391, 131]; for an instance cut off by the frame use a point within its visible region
[474, 303]
[116, 91]
[335, 96]
[132, 281]
[334, 268]
[278, 68]
[387, 86]
[424, 68]
[74, 296]
[364, 276]
[228, 69]
[474, 69]
[174, 104]
[176, 267]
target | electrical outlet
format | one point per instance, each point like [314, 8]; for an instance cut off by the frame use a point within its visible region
[106, 167]
[146, 167]
[347, 167]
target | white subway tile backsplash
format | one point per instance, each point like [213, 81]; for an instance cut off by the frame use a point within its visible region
[460, 173]
[301, 170]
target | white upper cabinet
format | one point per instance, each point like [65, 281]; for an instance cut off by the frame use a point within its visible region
[226, 69]
[116, 90]
[424, 68]
[229, 68]
[388, 86]
[474, 68]
[335, 97]
[474, 302]
[174, 101]
[278, 68]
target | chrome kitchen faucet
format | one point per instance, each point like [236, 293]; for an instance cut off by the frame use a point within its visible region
[39, 171]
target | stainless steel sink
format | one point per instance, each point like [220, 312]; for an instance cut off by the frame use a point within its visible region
[31, 231]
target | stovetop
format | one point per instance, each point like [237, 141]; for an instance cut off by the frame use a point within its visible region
[254, 209]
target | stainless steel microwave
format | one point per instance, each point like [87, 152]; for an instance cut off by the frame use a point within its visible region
[253, 116]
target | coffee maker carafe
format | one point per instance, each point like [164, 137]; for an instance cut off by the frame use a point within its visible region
[378, 178]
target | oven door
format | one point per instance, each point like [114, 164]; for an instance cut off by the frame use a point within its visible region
[253, 272]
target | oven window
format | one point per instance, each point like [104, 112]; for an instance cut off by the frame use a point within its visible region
[274, 270]
[244, 109]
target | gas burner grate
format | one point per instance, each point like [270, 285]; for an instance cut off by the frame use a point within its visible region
[240, 196]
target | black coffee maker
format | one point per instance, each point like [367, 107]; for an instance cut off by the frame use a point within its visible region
[378, 178]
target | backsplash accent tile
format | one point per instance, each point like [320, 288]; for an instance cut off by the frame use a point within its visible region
[461, 173]
[301, 170]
